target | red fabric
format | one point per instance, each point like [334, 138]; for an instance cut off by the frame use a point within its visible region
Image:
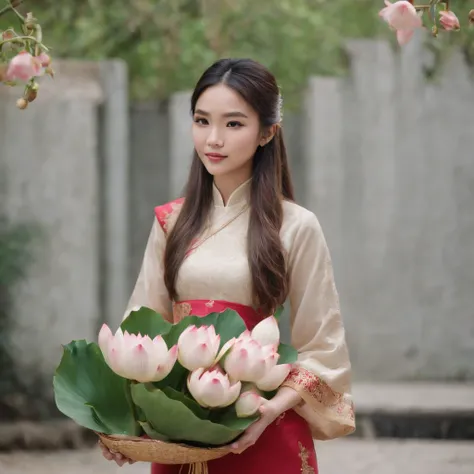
[162, 212]
[285, 447]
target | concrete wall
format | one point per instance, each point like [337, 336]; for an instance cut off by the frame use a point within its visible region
[51, 157]
[390, 174]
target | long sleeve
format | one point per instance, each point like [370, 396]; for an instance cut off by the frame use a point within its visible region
[322, 374]
[150, 289]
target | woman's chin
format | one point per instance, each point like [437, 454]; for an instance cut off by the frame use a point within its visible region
[216, 169]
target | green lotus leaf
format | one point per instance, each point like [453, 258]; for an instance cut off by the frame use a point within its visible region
[146, 322]
[288, 354]
[174, 419]
[90, 393]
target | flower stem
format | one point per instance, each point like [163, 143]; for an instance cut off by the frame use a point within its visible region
[12, 7]
[133, 407]
[23, 38]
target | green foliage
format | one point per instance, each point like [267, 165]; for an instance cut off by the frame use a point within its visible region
[168, 43]
[14, 253]
[16, 245]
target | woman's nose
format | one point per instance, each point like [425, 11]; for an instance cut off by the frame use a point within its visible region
[214, 138]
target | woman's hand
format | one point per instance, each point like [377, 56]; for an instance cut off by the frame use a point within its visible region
[117, 457]
[270, 410]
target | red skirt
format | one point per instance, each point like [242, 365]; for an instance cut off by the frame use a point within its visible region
[285, 447]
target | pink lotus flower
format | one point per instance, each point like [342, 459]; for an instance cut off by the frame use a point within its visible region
[267, 332]
[248, 404]
[274, 378]
[212, 388]
[402, 17]
[248, 360]
[449, 20]
[24, 67]
[137, 357]
[198, 347]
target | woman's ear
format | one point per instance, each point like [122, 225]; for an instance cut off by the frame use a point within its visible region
[268, 134]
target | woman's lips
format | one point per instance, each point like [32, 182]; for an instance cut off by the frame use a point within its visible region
[215, 157]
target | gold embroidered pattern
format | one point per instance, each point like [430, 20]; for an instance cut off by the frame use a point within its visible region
[180, 311]
[303, 380]
[280, 418]
[304, 456]
[210, 304]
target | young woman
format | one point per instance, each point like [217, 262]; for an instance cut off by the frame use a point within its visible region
[238, 240]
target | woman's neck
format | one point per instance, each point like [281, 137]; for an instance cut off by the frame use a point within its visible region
[226, 185]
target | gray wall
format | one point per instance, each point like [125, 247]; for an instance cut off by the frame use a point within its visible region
[52, 158]
[49, 160]
[391, 175]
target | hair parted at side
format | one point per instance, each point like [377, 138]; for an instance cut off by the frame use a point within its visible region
[271, 182]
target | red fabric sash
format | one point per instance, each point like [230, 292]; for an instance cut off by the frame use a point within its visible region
[202, 308]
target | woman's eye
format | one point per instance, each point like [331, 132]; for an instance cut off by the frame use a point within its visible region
[234, 124]
[200, 121]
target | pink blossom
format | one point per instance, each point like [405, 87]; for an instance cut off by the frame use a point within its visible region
[212, 388]
[267, 332]
[449, 20]
[23, 67]
[44, 59]
[274, 377]
[248, 404]
[137, 357]
[401, 17]
[248, 360]
[198, 347]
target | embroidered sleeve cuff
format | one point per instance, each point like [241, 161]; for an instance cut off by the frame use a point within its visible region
[331, 406]
[308, 383]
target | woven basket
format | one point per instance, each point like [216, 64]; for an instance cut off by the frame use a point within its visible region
[154, 451]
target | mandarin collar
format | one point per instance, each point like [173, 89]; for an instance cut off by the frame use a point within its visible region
[238, 196]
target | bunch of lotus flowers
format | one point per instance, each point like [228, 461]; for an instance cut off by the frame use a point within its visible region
[239, 372]
[404, 17]
[23, 56]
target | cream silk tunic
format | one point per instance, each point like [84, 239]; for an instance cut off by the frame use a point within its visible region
[218, 269]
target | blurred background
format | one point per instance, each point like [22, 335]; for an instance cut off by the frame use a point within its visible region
[381, 146]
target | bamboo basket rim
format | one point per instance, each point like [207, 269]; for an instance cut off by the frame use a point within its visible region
[160, 452]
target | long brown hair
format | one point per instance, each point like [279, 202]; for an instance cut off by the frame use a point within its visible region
[271, 182]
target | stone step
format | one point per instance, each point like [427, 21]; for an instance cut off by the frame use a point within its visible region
[414, 397]
[414, 410]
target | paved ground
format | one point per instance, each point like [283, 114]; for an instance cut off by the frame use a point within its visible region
[351, 456]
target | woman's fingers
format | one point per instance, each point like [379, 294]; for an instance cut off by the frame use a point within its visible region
[120, 459]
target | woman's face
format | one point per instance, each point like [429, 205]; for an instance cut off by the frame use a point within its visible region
[226, 132]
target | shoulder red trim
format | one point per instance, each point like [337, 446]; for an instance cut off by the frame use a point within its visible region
[165, 211]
